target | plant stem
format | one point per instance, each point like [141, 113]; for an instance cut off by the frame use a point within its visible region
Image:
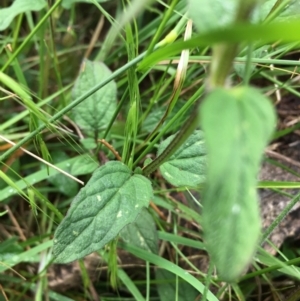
[224, 53]
[178, 140]
[245, 9]
[180, 113]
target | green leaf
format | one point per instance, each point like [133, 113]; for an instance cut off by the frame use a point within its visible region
[186, 167]
[64, 184]
[167, 289]
[88, 143]
[142, 232]
[291, 10]
[138, 170]
[157, 114]
[261, 52]
[10, 245]
[212, 14]
[264, 9]
[94, 114]
[68, 3]
[215, 14]
[237, 124]
[112, 199]
[82, 165]
[18, 6]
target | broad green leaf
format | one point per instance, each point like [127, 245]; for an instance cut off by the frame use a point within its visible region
[64, 184]
[156, 115]
[264, 9]
[186, 167]
[10, 245]
[142, 232]
[167, 287]
[68, 3]
[94, 114]
[215, 14]
[18, 6]
[88, 143]
[82, 165]
[262, 52]
[212, 14]
[290, 11]
[237, 124]
[112, 199]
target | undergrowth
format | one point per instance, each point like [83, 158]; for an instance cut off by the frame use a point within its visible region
[132, 134]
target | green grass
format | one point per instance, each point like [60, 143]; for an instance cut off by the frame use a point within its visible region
[37, 107]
